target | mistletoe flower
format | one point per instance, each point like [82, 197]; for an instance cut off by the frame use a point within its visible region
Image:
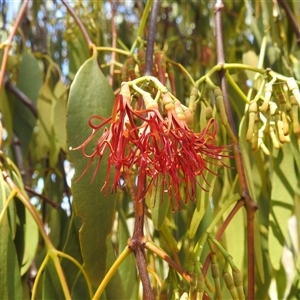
[155, 145]
[115, 139]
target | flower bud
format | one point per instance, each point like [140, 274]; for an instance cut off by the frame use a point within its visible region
[179, 111]
[293, 87]
[268, 94]
[252, 116]
[168, 102]
[294, 114]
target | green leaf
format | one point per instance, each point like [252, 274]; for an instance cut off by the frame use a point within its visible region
[60, 115]
[6, 110]
[281, 282]
[235, 237]
[159, 202]
[258, 251]
[31, 240]
[127, 269]
[45, 107]
[78, 52]
[250, 58]
[10, 279]
[114, 289]
[72, 247]
[202, 200]
[284, 181]
[29, 82]
[79, 289]
[244, 146]
[51, 284]
[90, 94]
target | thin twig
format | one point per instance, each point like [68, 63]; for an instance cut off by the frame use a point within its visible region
[292, 20]
[137, 242]
[151, 37]
[22, 97]
[114, 42]
[79, 23]
[9, 41]
[44, 198]
[250, 205]
[221, 230]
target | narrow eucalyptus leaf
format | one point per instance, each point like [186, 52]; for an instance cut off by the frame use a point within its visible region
[90, 94]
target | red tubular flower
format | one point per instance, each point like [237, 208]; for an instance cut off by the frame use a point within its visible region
[115, 140]
[162, 152]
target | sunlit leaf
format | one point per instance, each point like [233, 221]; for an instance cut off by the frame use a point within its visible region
[250, 58]
[284, 179]
[60, 115]
[31, 241]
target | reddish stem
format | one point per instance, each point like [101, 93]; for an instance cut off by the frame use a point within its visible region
[250, 205]
[9, 41]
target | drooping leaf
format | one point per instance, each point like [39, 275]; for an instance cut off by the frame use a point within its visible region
[60, 115]
[79, 52]
[45, 107]
[10, 280]
[6, 111]
[127, 269]
[115, 288]
[90, 94]
[24, 121]
[51, 284]
[79, 288]
[31, 240]
[250, 58]
[202, 200]
[72, 248]
[159, 202]
[235, 237]
[284, 180]
[244, 145]
[281, 282]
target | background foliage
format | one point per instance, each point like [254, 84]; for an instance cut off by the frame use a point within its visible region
[57, 241]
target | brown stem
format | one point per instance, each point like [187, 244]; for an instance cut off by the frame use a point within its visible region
[22, 97]
[220, 232]
[9, 41]
[138, 240]
[79, 23]
[168, 259]
[250, 205]
[290, 16]
[49, 201]
[151, 37]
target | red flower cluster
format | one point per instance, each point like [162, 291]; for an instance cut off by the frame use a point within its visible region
[161, 151]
